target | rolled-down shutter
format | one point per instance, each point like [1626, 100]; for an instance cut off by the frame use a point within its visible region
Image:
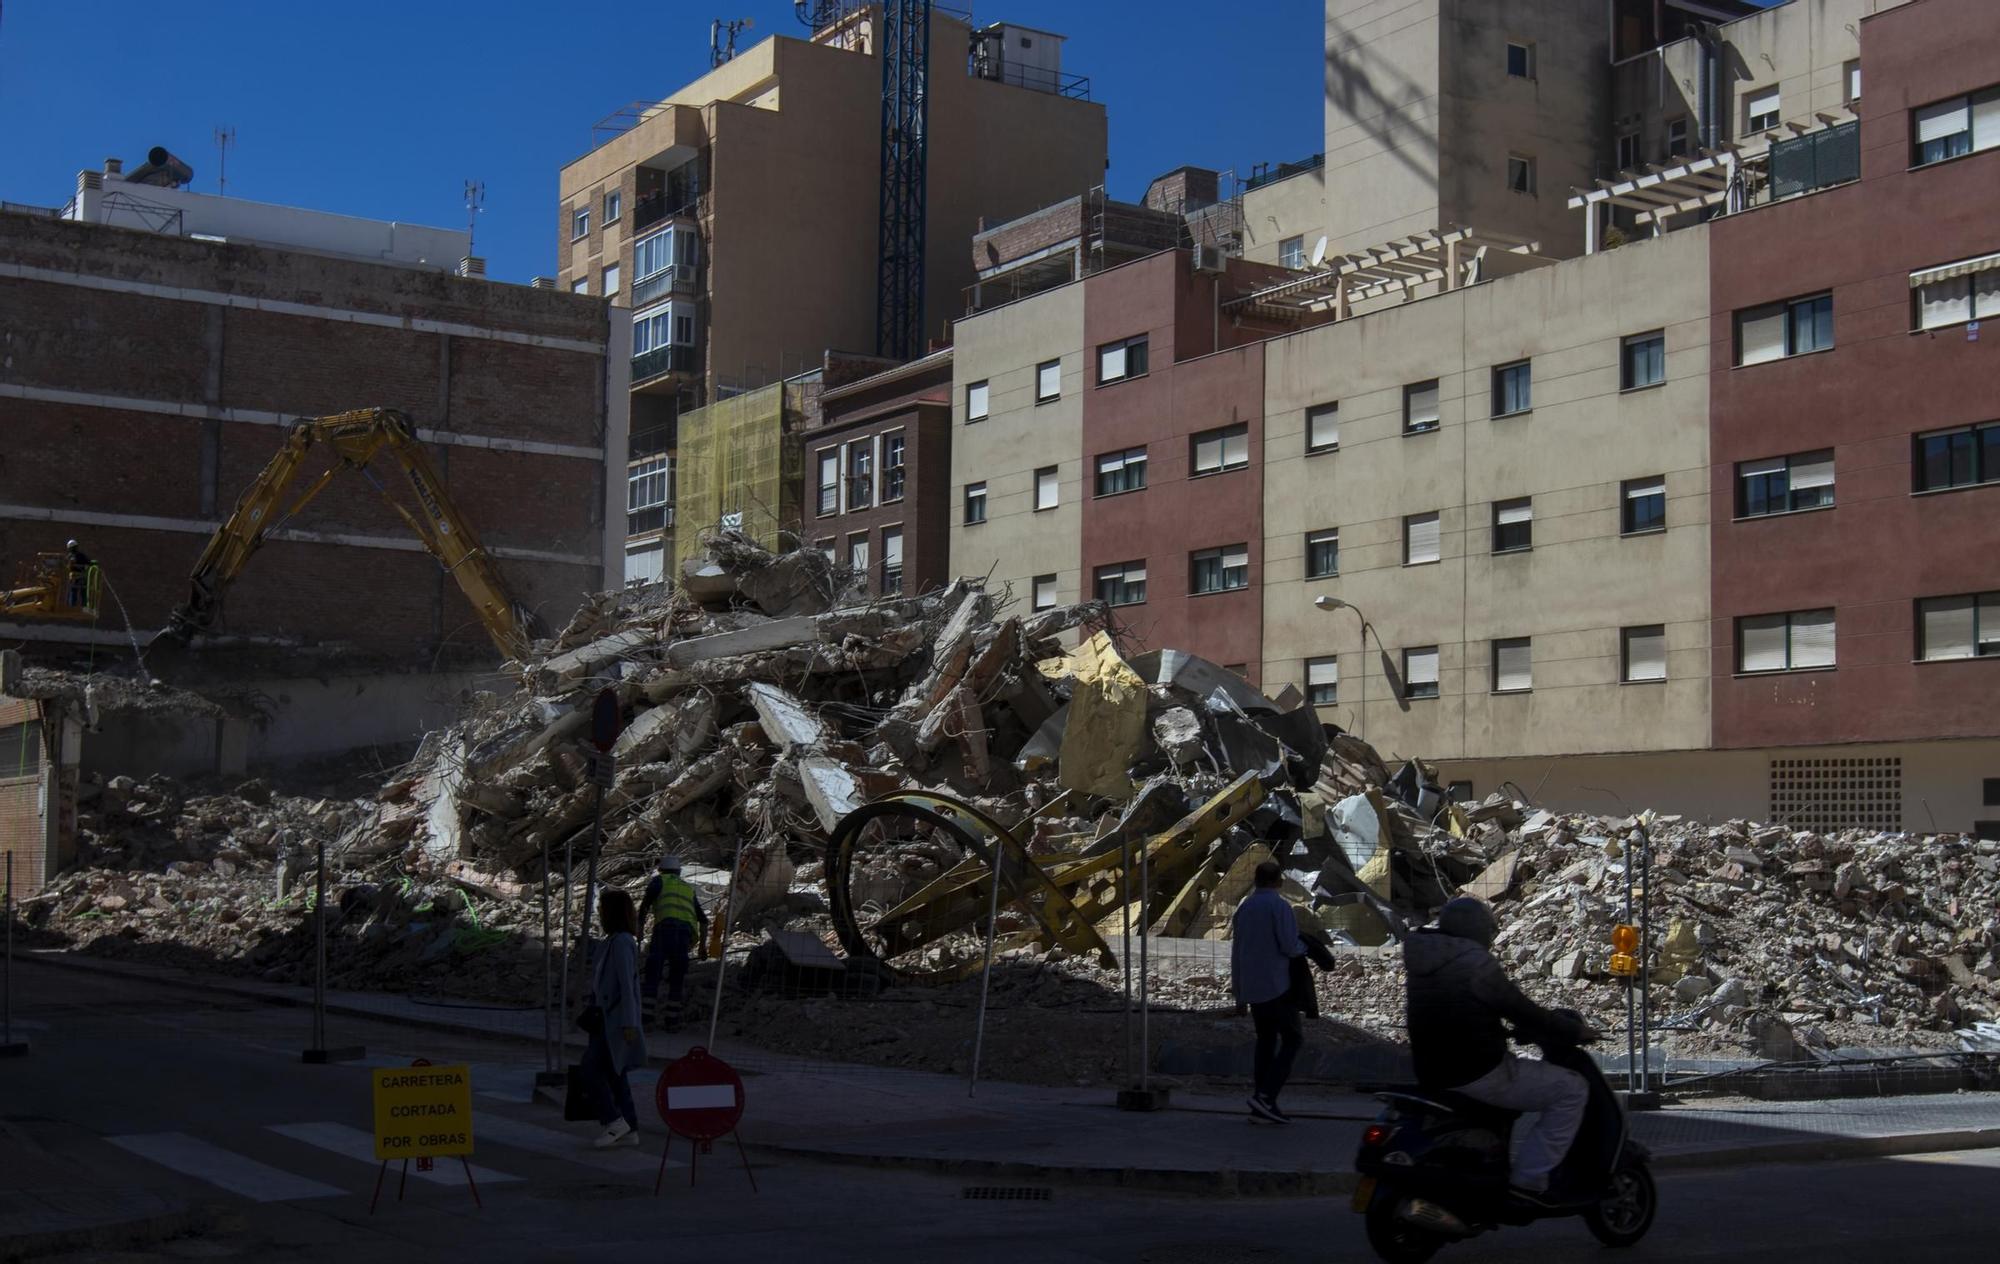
[1760, 334]
[1761, 643]
[1646, 653]
[1812, 469]
[1812, 638]
[1511, 511]
[1947, 627]
[1421, 666]
[1421, 538]
[1513, 665]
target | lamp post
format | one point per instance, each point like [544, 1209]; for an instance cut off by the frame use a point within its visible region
[1331, 604]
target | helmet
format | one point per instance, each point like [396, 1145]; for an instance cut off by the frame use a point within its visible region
[670, 863]
[1467, 918]
[72, 544]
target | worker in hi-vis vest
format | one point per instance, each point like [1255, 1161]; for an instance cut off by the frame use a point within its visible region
[677, 916]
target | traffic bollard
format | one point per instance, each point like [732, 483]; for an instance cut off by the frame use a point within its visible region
[319, 1053]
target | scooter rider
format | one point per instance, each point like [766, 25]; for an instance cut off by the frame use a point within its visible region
[1458, 996]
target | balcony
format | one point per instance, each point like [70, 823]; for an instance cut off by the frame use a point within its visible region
[657, 518]
[661, 361]
[1815, 161]
[673, 281]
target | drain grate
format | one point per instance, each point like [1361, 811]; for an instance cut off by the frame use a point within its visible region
[1008, 1193]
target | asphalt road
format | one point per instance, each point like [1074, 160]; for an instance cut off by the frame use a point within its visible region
[205, 1098]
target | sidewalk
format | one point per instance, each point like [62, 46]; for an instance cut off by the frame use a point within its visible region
[50, 1205]
[1204, 1145]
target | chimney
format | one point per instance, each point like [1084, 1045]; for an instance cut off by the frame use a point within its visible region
[114, 166]
[89, 180]
[472, 266]
[542, 283]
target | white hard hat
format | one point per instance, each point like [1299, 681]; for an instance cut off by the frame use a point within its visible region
[670, 863]
[72, 544]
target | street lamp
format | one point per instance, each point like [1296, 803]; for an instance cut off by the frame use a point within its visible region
[1330, 604]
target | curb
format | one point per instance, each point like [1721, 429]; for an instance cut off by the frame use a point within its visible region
[1203, 1183]
[1831, 1149]
[142, 1229]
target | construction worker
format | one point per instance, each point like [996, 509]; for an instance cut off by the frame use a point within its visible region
[677, 920]
[79, 576]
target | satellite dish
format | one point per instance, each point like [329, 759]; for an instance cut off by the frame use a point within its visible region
[1319, 252]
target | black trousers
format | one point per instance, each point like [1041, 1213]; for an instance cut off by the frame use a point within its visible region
[1280, 1032]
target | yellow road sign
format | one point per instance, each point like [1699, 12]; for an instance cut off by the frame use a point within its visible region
[423, 1111]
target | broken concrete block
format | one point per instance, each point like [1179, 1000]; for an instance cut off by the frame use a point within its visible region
[787, 723]
[1177, 732]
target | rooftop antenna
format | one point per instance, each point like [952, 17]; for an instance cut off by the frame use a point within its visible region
[1319, 252]
[475, 199]
[722, 39]
[225, 136]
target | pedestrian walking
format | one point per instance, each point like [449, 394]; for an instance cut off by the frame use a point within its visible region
[678, 924]
[612, 1020]
[1264, 943]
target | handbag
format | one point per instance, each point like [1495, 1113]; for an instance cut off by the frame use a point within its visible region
[590, 1020]
[577, 1103]
[1302, 993]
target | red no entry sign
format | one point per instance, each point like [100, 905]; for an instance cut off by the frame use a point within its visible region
[699, 1096]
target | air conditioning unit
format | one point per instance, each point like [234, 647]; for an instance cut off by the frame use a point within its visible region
[1208, 258]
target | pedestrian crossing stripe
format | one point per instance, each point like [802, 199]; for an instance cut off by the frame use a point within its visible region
[191, 1156]
[354, 1143]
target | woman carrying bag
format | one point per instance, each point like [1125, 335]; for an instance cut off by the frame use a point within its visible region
[613, 1021]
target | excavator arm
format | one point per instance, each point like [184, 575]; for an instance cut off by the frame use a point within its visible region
[356, 439]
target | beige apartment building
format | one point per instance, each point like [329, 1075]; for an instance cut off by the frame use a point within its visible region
[1017, 460]
[738, 218]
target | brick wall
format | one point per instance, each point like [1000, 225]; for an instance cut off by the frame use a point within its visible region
[66, 461]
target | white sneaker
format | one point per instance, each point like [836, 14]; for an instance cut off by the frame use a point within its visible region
[619, 1133]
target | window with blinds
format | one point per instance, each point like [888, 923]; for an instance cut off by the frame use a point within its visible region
[1643, 652]
[1117, 361]
[1322, 553]
[1965, 626]
[976, 397]
[1645, 505]
[1962, 125]
[1760, 110]
[1513, 389]
[1513, 525]
[1513, 665]
[829, 481]
[1048, 381]
[1048, 484]
[1420, 672]
[1322, 428]
[1323, 681]
[1045, 592]
[892, 561]
[1120, 472]
[1219, 570]
[1964, 457]
[1953, 293]
[1121, 583]
[1796, 641]
[1421, 541]
[1213, 451]
[1420, 407]
[1777, 330]
[975, 503]
[1784, 484]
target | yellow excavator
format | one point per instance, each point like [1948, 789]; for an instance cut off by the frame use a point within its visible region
[54, 586]
[356, 439]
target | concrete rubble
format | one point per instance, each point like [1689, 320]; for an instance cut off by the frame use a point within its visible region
[761, 705]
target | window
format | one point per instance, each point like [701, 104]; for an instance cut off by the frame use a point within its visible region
[1117, 361]
[614, 206]
[1521, 173]
[1420, 672]
[1122, 583]
[1957, 292]
[1119, 472]
[1322, 428]
[1783, 484]
[1645, 505]
[1961, 125]
[1642, 652]
[1959, 627]
[610, 280]
[1323, 681]
[829, 481]
[1048, 486]
[1642, 361]
[579, 223]
[1292, 252]
[580, 286]
[975, 402]
[652, 256]
[975, 503]
[860, 474]
[1513, 389]
[1964, 457]
[1420, 407]
[1777, 330]
[1520, 60]
[669, 325]
[1628, 151]
[646, 484]
[645, 564]
[1760, 110]
[1513, 525]
[1853, 78]
[828, 546]
[892, 560]
[892, 467]
[857, 553]
[1048, 381]
[1420, 539]
[1513, 665]
[1677, 137]
[1044, 592]
[1323, 553]
[1219, 570]
[1784, 642]
[1214, 451]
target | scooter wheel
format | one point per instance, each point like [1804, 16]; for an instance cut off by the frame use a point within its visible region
[1393, 1240]
[1624, 1212]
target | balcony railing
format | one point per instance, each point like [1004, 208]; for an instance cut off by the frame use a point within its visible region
[1817, 160]
[674, 280]
[640, 521]
[661, 361]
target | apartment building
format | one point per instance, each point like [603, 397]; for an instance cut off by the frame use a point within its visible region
[738, 219]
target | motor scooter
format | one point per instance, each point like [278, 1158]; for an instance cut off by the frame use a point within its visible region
[1433, 1167]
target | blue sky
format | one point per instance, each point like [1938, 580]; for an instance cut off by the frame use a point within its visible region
[386, 109]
